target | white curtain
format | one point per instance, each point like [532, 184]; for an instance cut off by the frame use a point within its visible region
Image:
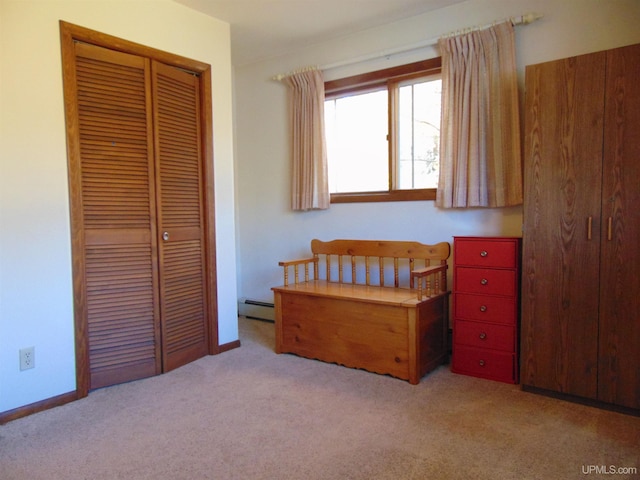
[480, 162]
[310, 185]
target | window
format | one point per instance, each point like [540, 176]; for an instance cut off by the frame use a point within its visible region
[383, 134]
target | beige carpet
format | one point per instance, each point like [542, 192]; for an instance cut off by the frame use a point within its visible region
[251, 414]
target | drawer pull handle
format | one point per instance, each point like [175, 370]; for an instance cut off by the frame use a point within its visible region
[481, 363]
[483, 308]
[484, 253]
[484, 281]
[482, 336]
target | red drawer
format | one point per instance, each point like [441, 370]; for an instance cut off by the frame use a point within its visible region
[484, 363]
[485, 308]
[484, 335]
[486, 253]
[485, 281]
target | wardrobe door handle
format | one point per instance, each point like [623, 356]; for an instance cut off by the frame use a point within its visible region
[165, 236]
[589, 225]
[609, 228]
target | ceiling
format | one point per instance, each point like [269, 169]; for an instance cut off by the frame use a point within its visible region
[267, 28]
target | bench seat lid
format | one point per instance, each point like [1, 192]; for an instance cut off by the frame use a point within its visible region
[357, 292]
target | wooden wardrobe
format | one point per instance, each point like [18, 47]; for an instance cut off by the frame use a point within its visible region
[580, 327]
[141, 203]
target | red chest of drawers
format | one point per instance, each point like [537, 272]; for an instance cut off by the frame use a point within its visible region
[485, 307]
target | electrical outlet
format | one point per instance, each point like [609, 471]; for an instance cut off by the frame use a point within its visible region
[27, 358]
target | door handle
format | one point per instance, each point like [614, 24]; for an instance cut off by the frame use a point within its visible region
[165, 236]
[589, 225]
[609, 228]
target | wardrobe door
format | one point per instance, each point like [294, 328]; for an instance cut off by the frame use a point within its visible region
[563, 159]
[619, 365]
[115, 226]
[179, 184]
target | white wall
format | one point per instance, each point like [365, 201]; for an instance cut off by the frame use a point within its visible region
[268, 231]
[36, 294]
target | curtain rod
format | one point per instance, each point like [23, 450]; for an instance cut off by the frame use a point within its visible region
[525, 19]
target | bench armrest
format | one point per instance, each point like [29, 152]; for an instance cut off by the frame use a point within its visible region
[431, 280]
[302, 261]
[296, 265]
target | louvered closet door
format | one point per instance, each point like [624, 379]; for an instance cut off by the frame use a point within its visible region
[118, 215]
[176, 97]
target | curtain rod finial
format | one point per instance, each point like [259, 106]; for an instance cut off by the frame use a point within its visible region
[528, 18]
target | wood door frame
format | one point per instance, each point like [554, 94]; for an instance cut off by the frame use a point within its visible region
[69, 34]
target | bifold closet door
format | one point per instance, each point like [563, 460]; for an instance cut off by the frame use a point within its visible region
[180, 215]
[143, 258]
[118, 215]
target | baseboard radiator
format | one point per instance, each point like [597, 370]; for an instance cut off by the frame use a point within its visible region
[256, 309]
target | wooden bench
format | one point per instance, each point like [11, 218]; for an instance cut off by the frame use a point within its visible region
[393, 321]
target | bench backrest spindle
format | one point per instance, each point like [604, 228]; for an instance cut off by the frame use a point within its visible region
[316, 263]
[367, 269]
[353, 269]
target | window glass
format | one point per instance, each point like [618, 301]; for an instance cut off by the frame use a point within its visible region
[357, 150]
[418, 134]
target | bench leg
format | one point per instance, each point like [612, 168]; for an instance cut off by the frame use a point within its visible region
[412, 345]
[277, 302]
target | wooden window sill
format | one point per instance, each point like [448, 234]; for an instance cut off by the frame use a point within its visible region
[387, 196]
